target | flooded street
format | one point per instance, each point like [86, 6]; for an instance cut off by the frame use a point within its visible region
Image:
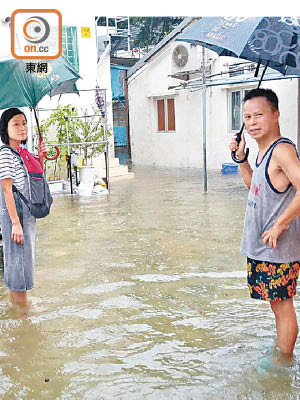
[142, 294]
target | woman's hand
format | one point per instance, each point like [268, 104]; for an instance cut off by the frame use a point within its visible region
[43, 147]
[238, 148]
[17, 234]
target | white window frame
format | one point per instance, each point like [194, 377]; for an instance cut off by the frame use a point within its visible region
[229, 97]
[165, 98]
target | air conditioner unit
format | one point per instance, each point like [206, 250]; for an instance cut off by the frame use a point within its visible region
[184, 58]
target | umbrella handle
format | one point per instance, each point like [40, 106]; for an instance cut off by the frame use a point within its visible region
[44, 155]
[41, 154]
[54, 157]
[237, 160]
[233, 153]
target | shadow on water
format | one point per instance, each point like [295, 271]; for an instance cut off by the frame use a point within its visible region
[142, 294]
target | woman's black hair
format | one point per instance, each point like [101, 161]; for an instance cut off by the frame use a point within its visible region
[6, 116]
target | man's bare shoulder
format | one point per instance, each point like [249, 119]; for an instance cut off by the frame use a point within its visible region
[285, 158]
[284, 150]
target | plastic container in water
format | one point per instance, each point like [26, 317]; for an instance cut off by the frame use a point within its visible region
[87, 177]
[87, 173]
[229, 168]
[85, 188]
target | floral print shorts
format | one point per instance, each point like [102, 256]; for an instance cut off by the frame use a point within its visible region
[272, 281]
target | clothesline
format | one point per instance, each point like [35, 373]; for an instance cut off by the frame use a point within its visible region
[76, 144]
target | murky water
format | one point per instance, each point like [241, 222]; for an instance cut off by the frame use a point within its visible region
[142, 295]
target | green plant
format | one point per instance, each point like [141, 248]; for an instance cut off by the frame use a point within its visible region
[91, 129]
[81, 130]
[58, 120]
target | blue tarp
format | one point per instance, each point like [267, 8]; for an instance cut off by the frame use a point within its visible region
[120, 136]
[117, 81]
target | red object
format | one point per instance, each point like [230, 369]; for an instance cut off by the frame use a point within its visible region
[44, 155]
[32, 163]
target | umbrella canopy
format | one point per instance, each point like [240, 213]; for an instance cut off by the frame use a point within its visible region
[272, 40]
[65, 87]
[25, 82]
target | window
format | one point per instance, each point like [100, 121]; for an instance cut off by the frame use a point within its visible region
[236, 109]
[70, 45]
[166, 115]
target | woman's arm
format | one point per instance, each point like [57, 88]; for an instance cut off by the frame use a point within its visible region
[17, 234]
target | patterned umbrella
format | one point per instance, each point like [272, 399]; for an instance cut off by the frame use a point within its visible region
[272, 41]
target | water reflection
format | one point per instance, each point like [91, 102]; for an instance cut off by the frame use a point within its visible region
[142, 294]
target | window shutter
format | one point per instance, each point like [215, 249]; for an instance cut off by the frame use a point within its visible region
[171, 115]
[161, 115]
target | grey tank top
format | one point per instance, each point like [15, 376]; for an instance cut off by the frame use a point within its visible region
[265, 204]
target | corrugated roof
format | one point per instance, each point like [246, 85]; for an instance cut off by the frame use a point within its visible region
[128, 62]
[160, 45]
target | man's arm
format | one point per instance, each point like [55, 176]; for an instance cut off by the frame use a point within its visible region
[246, 172]
[287, 159]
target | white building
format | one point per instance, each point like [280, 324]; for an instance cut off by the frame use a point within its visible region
[166, 120]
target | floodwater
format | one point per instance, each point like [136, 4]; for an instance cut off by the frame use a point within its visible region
[142, 294]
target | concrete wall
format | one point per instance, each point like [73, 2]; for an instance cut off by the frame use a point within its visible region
[149, 146]
[184, 147]
[218, 133]
[104, 82]
[87, 65]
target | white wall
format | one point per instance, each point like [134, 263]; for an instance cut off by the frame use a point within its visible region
[104, 82]
[218, 134]
[5, 49]
[184, 148]
[87, 65]
[149, 147]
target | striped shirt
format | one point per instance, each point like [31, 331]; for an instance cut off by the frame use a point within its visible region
[11, 167]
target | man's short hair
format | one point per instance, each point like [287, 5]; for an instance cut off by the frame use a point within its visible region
[268, 94]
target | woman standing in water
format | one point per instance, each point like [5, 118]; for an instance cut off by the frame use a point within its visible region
[18, 225]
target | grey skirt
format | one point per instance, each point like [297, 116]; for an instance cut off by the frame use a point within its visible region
[18, 259]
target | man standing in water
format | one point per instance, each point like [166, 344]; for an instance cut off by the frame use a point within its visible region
[271, 236]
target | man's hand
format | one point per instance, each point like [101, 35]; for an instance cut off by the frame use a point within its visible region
[239, 148]
[271, 235]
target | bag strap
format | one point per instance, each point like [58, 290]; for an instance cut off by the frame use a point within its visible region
[14, 189]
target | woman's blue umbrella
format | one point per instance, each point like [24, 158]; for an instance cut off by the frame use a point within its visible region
[272, 41]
